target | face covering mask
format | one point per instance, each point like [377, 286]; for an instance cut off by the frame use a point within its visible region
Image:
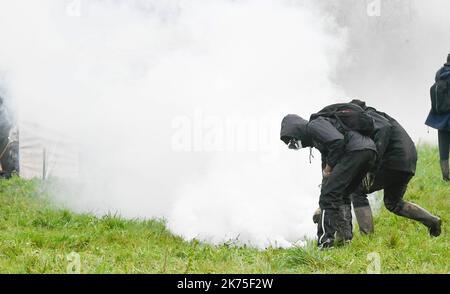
[295, 144]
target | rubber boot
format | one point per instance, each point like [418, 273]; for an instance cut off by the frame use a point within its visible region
[344, 232]
[445, 170]
[365, 219]
[415, 212]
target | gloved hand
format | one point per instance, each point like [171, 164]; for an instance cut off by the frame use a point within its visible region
[327, 171]
[368, 182]
[316, 216]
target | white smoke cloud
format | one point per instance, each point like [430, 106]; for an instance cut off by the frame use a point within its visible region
[392, 58]
[132, 81]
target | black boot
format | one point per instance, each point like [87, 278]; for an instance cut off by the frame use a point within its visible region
[415, 212]
[365, 219]
[445, 170]
[344, 233]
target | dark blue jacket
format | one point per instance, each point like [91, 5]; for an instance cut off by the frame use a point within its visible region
[440, 122]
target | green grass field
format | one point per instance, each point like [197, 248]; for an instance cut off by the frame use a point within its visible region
[36, 237]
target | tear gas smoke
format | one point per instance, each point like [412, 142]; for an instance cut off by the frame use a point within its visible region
[175, 106]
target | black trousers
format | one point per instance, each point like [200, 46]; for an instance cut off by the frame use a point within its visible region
[359, 199]
[394, 184]
[444, 144]
[345, 178]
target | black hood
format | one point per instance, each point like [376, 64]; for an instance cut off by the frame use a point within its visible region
[293, 126]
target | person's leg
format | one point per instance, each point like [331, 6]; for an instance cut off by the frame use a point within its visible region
[351, 169]
[363, 212]
[359, 199]
[444, 150]
[344, 231]
[393, 200]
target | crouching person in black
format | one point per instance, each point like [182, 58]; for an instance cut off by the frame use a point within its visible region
[396, 167]
[347, 156]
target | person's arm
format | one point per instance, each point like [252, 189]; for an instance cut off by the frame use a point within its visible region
[336, 150]
[326, 134]
[327, 171]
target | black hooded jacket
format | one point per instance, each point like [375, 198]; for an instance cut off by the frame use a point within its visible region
[401, 153]
[326, 135]
[396, 149]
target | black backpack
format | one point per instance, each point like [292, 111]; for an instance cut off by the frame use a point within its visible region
[440, 95]
[350, 116]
